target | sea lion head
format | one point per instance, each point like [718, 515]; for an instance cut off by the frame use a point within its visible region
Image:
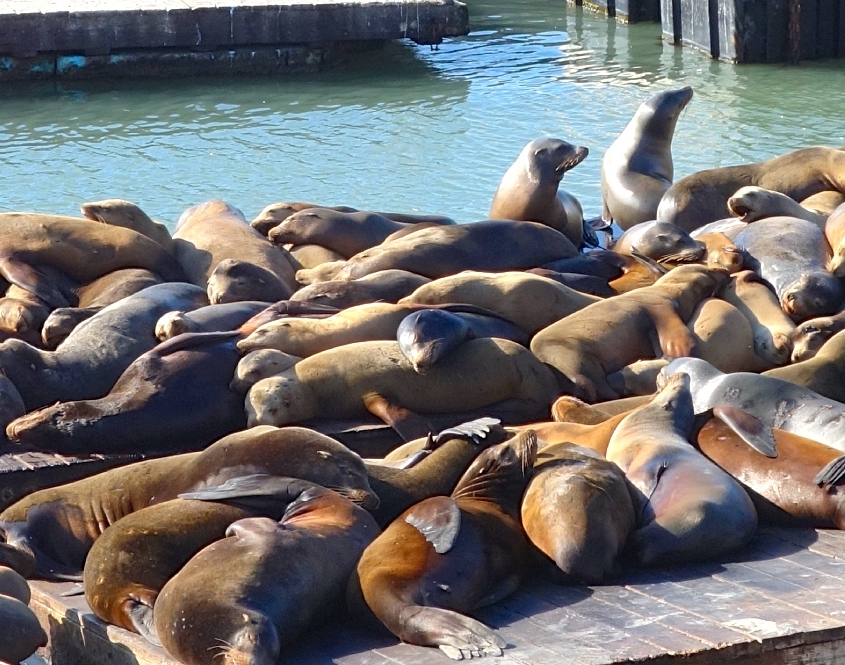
[273, 215]
[752, 203]
[812, 294]
[810, 336]
[254, 643]
[552, 158]
[665, 243]
[19, 316]
[279, 400]
[172, 324]
[428, 335]
[657, 116]
[260, 364]
[233, 281]
[114, 211]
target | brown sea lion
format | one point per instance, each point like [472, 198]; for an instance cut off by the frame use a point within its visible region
[578, 511]
[445, 250]
[595, 437]
[49, 532]
[530, 189]
[260, 364]
[321, 273]
[21, 634]
[799, 487]
[809, 336]
[720, 250]
[81, 249]
[637, 168]
[118, 212]
[14, 585]
[311, 256]
[750, 204]
[834, 231]
[211, 232]
[824, 203]
[22, 314]
[585, 346]
[702, 197]
[792, 255]
[530, 301]
[640, 272]
[449, 555]
[660, 241]
[822, 373]
[383, 286]
[286, 575]
[688, 509]
[333, 384]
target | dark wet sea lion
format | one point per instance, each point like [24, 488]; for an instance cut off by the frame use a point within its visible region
[660, 241]
[821, 373]
[702, 197]
[530, 189]
[383, 286]
[809, 336]
[286, 575]
[214, 231]
[594, 286]
[213, 318]
[577, 510]
[787, 490]
[285, 308]
[95, 354]
[688, 509]
[118, 212]
[602, 263]
[49, 532]
[440, 251]
[792, 255]
[449, 555]
[22, 634]
[637, 168]
[14, 585]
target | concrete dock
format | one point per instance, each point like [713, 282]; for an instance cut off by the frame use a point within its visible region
[780, 602]
[84, 38]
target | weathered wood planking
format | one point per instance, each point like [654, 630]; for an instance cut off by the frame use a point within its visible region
[780, 602]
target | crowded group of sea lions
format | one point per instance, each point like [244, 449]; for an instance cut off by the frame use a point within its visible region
[552, 411]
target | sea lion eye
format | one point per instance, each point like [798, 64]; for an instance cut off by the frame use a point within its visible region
[811, 329]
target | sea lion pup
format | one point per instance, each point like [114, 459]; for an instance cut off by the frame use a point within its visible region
[286, 575]
[95, 354]
[81, 249]
[449, 555]
[834, 231]
[260, 364]
[118, 212]
[588, 345]
[792, 255]
[822, 373]
[809, 336]
[93, 297]
[428, 336]
[215, 235]
[800, 487]
[530, 301]
[49, 532]
[383, 286]
[577, 511]
[212, 318]
[702, 197]
[752, 404]
[720, 250]
[660, 241]
[499, 376]
[530, 189]
[688, 508]
[637, 168]
[445, 250]
[21, 634]
[750, 204]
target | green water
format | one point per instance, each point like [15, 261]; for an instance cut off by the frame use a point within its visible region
[405, 128]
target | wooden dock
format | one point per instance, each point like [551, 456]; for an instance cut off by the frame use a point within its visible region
[780, 602]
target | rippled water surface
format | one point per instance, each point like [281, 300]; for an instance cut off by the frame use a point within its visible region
[405, 128]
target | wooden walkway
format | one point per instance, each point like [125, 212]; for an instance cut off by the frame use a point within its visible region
[781, 602]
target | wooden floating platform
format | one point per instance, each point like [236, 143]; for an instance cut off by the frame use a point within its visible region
[87, 38]
[780, 602]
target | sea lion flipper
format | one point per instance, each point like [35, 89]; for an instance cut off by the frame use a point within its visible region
[406, 423]
[254, 485]
[141, 617]
[459, 637]
[473, 430]
[438, 519]
[833, 472]
[33, 280]
[749, 428]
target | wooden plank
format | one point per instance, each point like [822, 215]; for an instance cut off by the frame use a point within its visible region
[827, 21]
[809, 28]
[777, 30]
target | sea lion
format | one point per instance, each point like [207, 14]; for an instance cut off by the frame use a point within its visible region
[322, 273]
[285, 308]
[585, 346]
[93, 297]
[286, 575]
[702, 197]
[383, 286]
[213, 318]
[332, 384]
[720, 250]
[98, 350]
[81, 249]
[49, 532]
[118, 212]
[602, 263]
[22, 314]
[750, 204]
[792, 255]
[449, 555]
[637, 168]
[834, 231]
[445, 250]
[208, 233]
[260, 364]
[660, 241]
[824, 203]
[688, 508]
[594, 286]
[14, 585]
[530, 301]
[800, 487]
[311, 256]
[21, 634]
[822, 373]
[729, 227]
[809, 336]
[639, 273]
[174, 398]
[752, 404]
[530, 189]
[578, 511]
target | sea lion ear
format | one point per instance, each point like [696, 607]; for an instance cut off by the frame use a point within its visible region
[749, 428]
[438, 519]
